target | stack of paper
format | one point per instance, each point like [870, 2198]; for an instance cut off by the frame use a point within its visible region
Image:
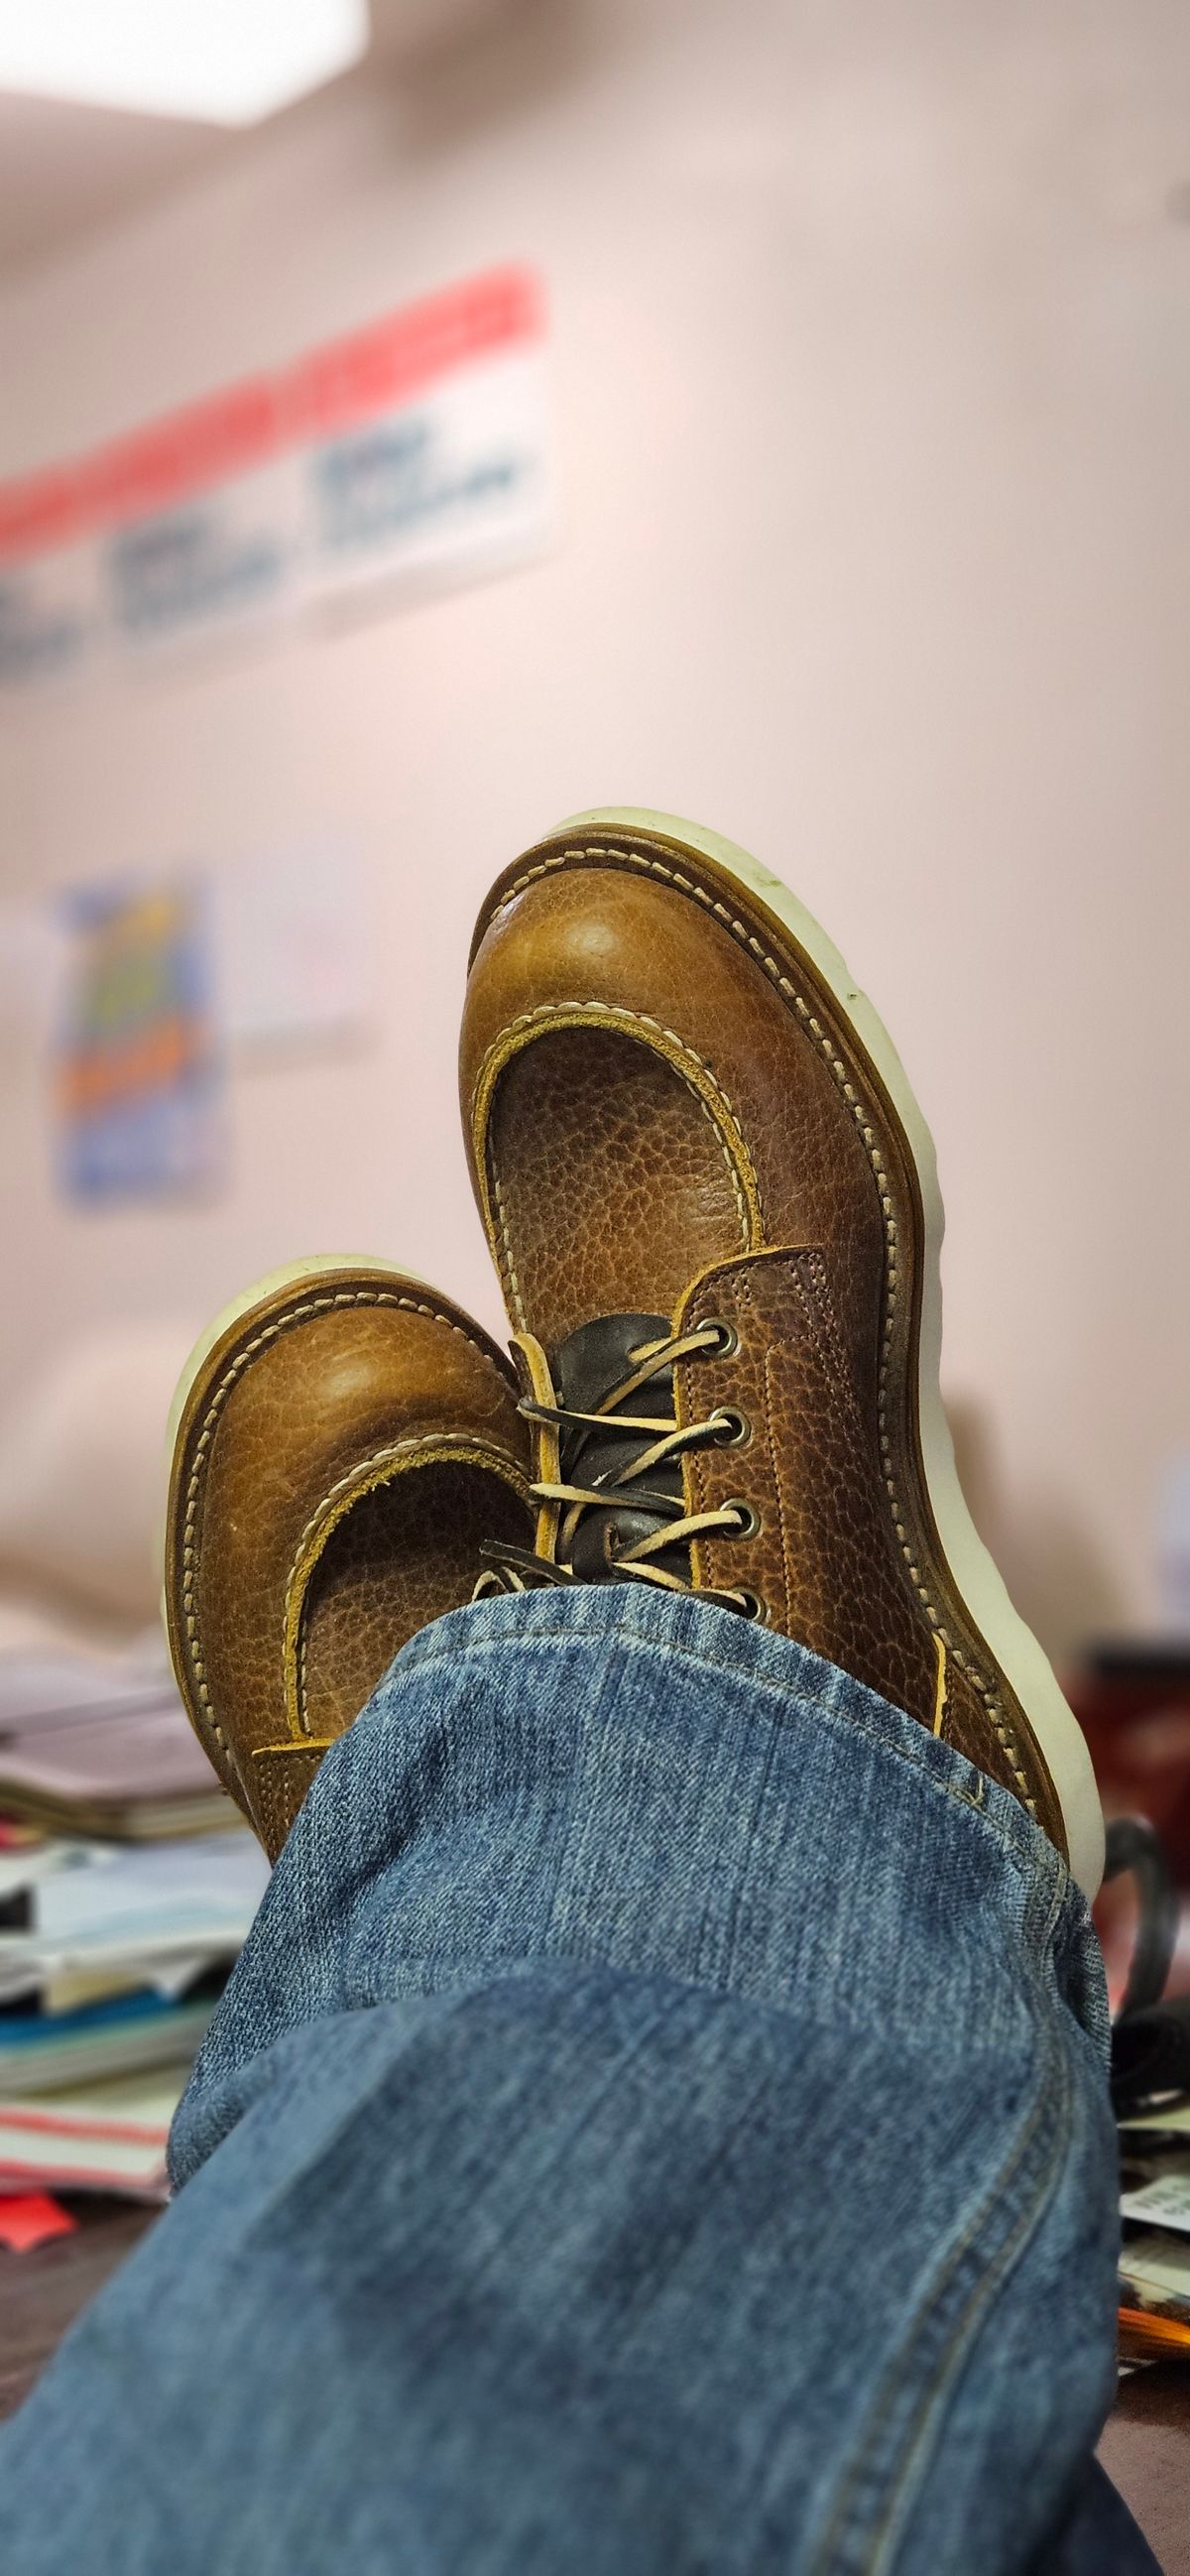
[100, 1744]
[40, 2051]
[1155, 2205]
[95, 1918]
[127, 1887]
[92, 2137]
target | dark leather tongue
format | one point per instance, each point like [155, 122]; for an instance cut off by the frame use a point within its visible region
[585, 1368]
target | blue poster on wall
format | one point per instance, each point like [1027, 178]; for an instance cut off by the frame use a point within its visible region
[139, 1074]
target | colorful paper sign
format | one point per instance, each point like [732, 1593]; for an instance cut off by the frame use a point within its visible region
[414, 449]
[139, 1073]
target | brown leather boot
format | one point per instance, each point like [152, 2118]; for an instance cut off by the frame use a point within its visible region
[343, 1440]
[712, 1200]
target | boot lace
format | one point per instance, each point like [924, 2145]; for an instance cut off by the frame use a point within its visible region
[657, 1441]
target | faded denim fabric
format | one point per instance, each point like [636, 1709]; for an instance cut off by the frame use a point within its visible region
[657, 2127]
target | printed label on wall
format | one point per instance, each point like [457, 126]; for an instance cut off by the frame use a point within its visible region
[47, 615]
[456, 477]
[225, 558]
[412, 450]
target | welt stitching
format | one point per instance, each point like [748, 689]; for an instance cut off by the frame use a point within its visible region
[514, 1285]
[271, 1332]
[748, 939]
[270, 1805]
[825, 1347]
[286, 1795]
[282, 1798]
[786, 1560]
[826, 1320]
[615, 1018]
[826, 1342]
[380, 1457]
[301, 1661]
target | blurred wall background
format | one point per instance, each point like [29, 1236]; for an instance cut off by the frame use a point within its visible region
[869, 386]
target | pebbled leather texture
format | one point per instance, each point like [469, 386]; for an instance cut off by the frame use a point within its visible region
[343, 1450]
[825, 1563]
[593, 1100]
[754, 1169]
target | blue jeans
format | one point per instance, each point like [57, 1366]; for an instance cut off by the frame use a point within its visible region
[657, 2127]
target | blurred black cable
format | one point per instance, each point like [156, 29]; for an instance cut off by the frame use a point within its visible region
[1150, 2050]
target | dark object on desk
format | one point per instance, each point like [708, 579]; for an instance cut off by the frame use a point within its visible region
[1138, 1663]
[1150, 2054]
[1150, 2050]
[1134, 1846]
[1132, 1699]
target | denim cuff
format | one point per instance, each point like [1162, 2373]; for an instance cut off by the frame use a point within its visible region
[731, 1661]
[646, 1785]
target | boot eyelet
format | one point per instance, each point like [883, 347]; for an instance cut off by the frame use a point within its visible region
[727, 1340]
[749, 1521]
[752, 1607]
[733, 1428]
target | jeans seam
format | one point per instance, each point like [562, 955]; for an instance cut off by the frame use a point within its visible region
[863, 2551]
[819, 1710]
[459, 1977]
[920, 2450]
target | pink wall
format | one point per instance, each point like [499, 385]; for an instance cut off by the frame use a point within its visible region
[868, 335]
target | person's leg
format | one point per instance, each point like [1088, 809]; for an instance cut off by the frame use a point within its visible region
[657, 2124]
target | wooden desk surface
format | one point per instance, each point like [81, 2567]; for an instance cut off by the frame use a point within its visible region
[1145, 2446]
[42, 2292]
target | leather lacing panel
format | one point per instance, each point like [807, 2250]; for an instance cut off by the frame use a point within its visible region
[652, 1443]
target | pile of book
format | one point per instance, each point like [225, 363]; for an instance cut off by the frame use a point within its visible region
[127, 1887]
[1155, 2206]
